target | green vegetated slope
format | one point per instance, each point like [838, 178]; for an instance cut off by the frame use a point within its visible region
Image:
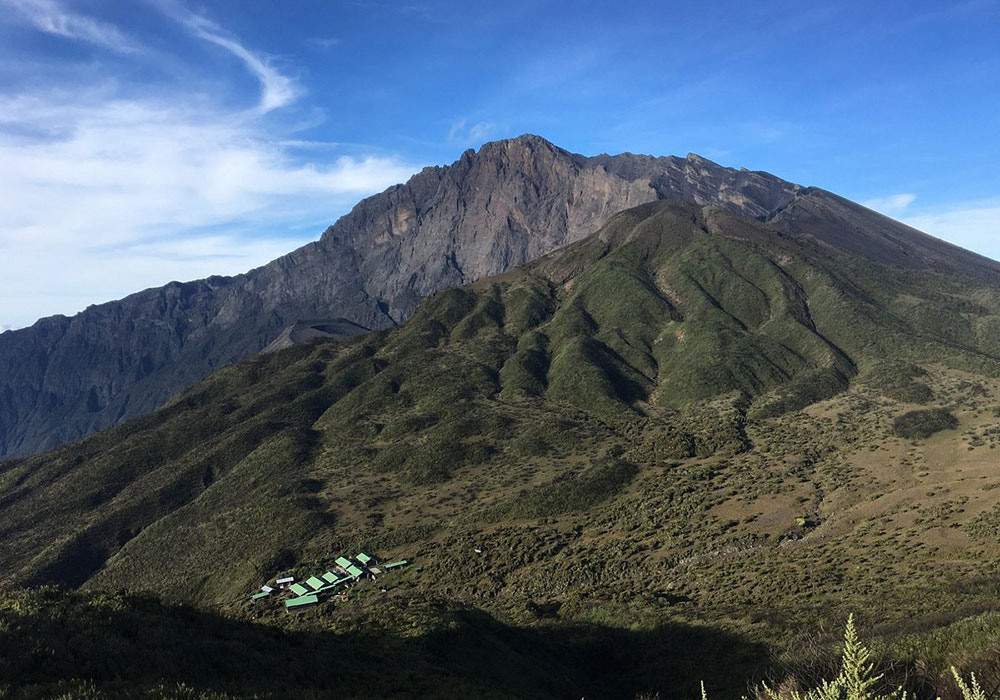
[115, 645]
[687, 419]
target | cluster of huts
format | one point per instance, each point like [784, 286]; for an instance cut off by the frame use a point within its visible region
[345, 573]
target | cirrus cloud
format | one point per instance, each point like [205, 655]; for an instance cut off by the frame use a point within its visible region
[466, 134]
[891, 205]
[104, 191]
[973, 225]
[52, 18]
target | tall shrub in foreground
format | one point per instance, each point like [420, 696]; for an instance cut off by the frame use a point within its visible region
[857, 679]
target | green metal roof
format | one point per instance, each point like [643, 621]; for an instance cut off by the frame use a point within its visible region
[354, 571]
[301, 600]
[344, 562]
[396, 564]
[258, 596]
[315, 582]
[363, 558]
[333, 585]
[334, 581]
[299, 589]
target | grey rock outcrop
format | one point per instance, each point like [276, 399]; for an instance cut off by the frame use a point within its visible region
[306, 331]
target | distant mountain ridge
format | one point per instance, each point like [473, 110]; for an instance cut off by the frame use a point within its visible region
[493, 209]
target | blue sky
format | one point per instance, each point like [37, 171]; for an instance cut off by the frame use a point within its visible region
[149, 140]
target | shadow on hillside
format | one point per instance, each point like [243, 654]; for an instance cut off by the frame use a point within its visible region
[127, 646]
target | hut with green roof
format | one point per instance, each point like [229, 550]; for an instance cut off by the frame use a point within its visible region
[304, 601]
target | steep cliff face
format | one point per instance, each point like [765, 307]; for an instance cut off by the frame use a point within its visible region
[508, 203]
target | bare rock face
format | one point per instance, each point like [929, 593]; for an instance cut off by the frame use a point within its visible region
[508, 203]
[302, 332]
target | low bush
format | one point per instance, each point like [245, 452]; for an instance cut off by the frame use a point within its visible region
[910, 392]
[572, 492]
[804, 389]
[923, 423]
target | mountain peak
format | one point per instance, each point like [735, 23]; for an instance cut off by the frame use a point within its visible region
[532, 139]
[525, 143]
[695, 158]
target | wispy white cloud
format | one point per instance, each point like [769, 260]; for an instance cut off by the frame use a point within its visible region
[277, 90]
[103, 193]
[129, 189]
[309, 144]
[465, 134]
[52, 18]
[973, 225]
[892, 205]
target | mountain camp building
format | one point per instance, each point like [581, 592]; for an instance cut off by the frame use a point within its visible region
[304, 601]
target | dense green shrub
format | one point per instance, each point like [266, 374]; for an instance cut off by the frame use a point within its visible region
[889, 373]
[718, 428]
[431, 461]
[571, 492]
[910, 392]
[923, 423]
[986, 526]
[545, 437]
[804, 389]
[895, 379]
[668, 442]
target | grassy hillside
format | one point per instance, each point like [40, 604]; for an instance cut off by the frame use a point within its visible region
[106, 646]
[126, 646]
[686, 421]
